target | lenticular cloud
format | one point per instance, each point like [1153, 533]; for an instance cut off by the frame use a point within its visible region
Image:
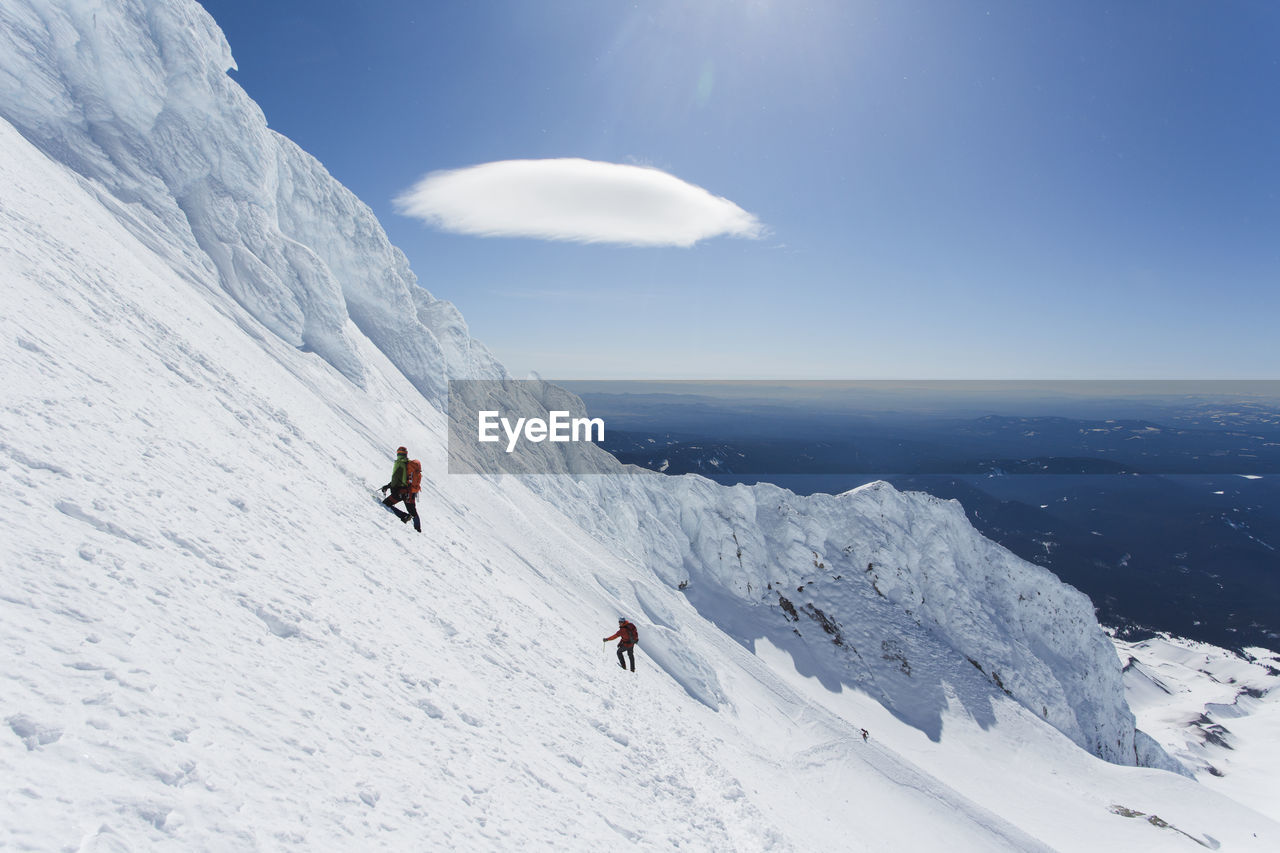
[584, 201]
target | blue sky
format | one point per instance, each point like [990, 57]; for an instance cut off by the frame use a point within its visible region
[946, 190]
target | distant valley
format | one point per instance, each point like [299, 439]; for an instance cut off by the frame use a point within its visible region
[1169, 521]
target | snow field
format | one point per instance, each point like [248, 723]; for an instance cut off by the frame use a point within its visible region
[1216, 710]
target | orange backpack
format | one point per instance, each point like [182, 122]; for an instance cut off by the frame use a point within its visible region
[414, 471]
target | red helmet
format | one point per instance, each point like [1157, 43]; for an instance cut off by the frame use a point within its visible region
[402, 450]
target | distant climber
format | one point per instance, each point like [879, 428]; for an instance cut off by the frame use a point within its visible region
[627, 638]
[865, 734]
[406, 482]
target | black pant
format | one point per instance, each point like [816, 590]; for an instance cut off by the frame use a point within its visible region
[410, 504]
[630, 652]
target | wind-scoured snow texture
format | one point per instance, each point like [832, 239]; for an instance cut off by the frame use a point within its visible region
[134, 95]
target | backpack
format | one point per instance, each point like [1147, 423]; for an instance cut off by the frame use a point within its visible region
[629, 633]
[413, 474]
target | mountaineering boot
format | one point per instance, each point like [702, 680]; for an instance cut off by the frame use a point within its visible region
[404, 516]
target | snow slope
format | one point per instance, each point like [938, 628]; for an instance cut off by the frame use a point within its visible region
[215, 639]
[134, 97]
[1217, 711]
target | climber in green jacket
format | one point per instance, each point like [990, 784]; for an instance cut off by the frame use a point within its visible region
[406, 479]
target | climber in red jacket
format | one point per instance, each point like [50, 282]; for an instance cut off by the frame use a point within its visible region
[627, 638]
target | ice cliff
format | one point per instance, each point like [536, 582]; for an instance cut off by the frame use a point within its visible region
[135, 97]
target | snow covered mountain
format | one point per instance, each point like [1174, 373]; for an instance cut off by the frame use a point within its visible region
[215, 639]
